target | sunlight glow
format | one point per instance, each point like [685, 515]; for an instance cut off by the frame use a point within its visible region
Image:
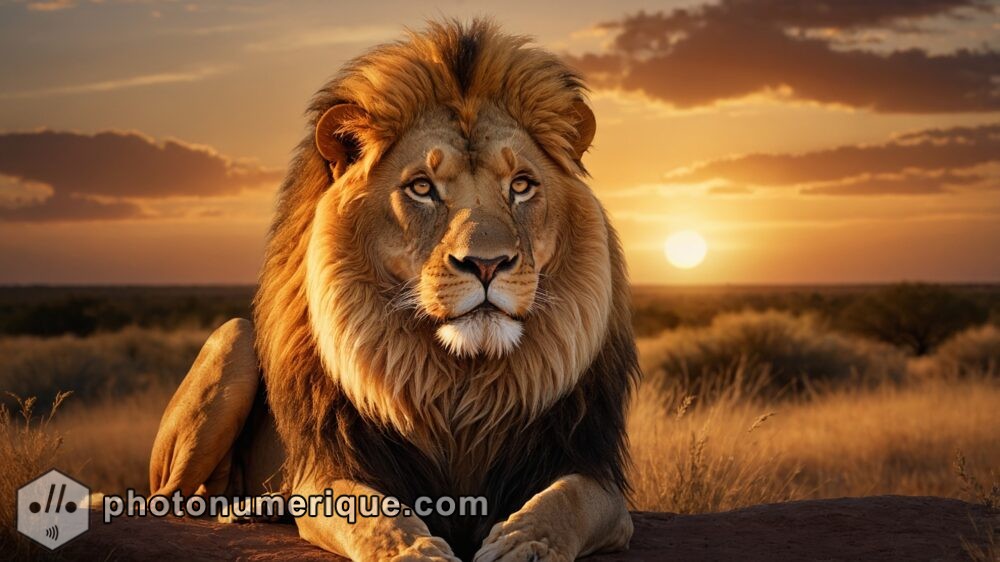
[685, 249]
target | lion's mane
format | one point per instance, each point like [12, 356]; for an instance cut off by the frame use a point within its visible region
[362, 391]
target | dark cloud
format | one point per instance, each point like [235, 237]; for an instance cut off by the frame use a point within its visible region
[896, 184]
[637, 32]
[736, 48]
[73, 208]
[930, 161]
[98, 177]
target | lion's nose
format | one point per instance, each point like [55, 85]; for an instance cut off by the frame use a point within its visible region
[483, 268]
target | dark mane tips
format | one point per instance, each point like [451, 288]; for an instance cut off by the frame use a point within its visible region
[465, 50]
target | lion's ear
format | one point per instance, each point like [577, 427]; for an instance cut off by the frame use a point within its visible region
[338, 147]
[586, 127]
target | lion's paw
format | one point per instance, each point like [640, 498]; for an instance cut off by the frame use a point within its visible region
[426, 549]
[513, 541]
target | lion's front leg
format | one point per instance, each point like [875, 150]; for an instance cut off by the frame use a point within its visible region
[193, 448]
[377, 539]
[573, 517]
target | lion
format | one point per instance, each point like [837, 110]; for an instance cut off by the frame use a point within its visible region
[443, 311]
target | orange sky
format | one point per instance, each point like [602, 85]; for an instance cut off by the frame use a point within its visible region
[808, 142]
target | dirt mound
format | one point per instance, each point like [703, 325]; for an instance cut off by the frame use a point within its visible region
[872, 528]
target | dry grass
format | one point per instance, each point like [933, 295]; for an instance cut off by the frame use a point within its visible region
[988, 548]
[696, 461]
[986, 495]
[28, 446]
[107, 443]
[103, 365]
[889, 440]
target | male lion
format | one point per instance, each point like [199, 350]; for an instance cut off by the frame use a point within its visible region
[443, 311]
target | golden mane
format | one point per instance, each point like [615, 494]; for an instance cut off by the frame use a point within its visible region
[325, 335]
[460, 68]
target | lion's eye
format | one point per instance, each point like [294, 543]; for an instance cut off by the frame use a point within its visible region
[420, 189]
[522, 188]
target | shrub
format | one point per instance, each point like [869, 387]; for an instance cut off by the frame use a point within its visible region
[772, 352]
[916, 316]
[974, 352]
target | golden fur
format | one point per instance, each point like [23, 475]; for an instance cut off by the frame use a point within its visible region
[443, 310]
[323, 304]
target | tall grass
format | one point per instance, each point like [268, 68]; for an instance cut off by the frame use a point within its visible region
[108, 442]
[701, 459]
[28, 445]
[850, 442]
[103, 365]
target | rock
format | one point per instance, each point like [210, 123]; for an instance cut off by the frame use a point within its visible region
[871, 528]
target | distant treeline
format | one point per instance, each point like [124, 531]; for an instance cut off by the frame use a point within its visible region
[82, 311]
[911, 315]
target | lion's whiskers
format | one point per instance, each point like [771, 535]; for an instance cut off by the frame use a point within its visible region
[544, 299]
[406, 297]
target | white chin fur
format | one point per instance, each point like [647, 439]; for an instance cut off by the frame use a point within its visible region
[492, 333]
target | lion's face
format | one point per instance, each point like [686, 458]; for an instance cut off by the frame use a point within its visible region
[459, 228]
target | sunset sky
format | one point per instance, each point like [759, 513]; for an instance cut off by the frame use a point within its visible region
[808, 142]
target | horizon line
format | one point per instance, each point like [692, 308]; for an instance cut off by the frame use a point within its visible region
[639, 285]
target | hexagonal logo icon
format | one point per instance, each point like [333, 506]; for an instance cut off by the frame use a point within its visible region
[53, 509]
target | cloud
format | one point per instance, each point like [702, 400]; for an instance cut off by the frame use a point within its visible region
[325, 37]
[73, 208]
[104, 176]
[801, 50]
[922, 162]
[51, 6]
[908, 183]
[119, 84]
[15, 192]
[820, 14]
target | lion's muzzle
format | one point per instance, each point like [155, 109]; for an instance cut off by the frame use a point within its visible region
[479, 284]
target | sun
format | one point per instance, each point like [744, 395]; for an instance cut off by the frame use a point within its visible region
[685, 249]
